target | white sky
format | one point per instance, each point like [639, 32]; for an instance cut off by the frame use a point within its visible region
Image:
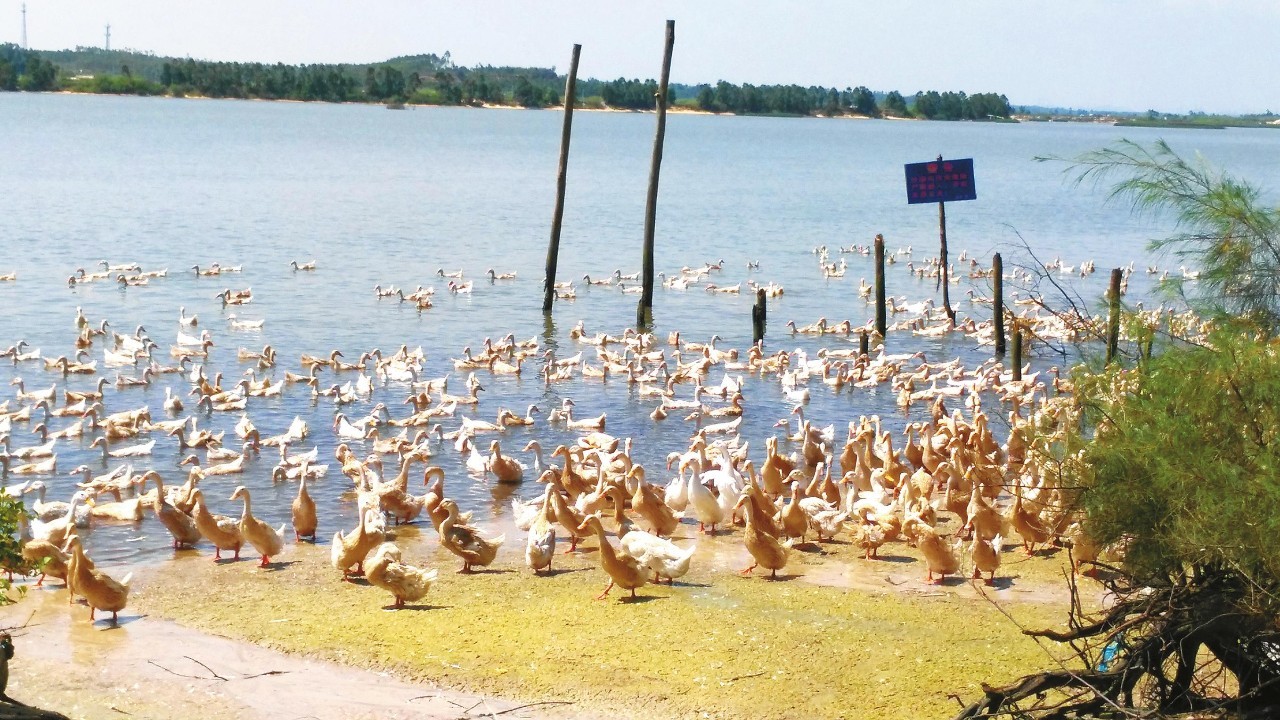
[1171, 55]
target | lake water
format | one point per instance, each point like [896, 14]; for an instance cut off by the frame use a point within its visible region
[389, 197]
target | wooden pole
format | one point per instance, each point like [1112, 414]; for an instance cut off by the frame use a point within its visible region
[864, 344]
[882, 319]
[997, 301]
[1016, 330]
[1113, 322]
[553, 248]
[942, 275]
[758, 318]
[644, 311]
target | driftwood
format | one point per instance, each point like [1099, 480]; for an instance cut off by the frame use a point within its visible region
[1195, 647]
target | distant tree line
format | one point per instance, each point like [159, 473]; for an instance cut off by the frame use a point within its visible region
[435, 80]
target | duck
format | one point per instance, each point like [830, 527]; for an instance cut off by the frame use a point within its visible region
[540, 548]
[653, 509]
[1028, 524]
[351, 549]
[304, 511]
[465, 541]
[305, 266]
[794, 520]
[766, 551]
[131, 451]
[57, 530]
[986, 557]
[42, 554]
[939, 558]
[662, 557]
[263, 537]
[219, 529]
[869, 537]
[505, 469]
[180, 525]
[47, 512]
[705, 505]
[100, 590]
[172, 403]
[129, 510]
[625, 571]
[405, 582]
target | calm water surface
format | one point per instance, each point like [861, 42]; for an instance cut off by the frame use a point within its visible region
[389, 197]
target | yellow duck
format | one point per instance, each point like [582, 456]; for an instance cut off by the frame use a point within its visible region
[986, 557]
[265, 539]
[35, 552]
[624, 571]
[180, 525]
[939, 558]
[222, 531]
[795, 521]
[304, 511]
[465, 541]
[652, 508]
[765, 549]
[100, 590]
[352, 548]
[406, 582]
[1028, 524]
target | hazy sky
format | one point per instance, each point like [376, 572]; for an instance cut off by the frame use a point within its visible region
[1172, 55]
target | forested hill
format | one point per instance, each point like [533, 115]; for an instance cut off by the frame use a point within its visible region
[436, 80]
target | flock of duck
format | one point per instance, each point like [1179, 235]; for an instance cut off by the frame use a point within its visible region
[948, 487]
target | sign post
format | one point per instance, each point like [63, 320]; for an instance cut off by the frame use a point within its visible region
[941, 181]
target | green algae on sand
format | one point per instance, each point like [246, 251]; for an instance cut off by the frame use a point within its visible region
[717, 643]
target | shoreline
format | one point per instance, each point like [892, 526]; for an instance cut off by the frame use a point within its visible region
[673, 110]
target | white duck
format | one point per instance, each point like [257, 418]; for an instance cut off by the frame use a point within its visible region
[705, 505]
[663, 557]
[57, 530]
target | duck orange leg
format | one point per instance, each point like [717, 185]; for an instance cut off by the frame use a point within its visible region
[609, 587]
[265, 561]
[747, 572]
[573, 544]
[40, 582]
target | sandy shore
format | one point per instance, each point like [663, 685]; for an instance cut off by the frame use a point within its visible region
[151, 668]
[838, 636]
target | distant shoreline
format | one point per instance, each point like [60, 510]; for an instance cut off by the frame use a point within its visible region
[674, 109]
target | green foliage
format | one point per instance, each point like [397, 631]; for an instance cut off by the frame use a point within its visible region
[894, 105]
[39, 75]
[1183, 462]
[864, 102]
[1224, 231]
[933, 105]
[630, 94]
[115, 85]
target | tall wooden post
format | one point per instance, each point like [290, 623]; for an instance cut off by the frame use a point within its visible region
[864, 344]
[942, 275]
[553, 248]
[997, 300]
[1017, 350]
[758, 317]
[1113, 322]
[644, 311]
[882, 319]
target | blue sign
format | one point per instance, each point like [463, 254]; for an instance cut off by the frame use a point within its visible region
[940, 181]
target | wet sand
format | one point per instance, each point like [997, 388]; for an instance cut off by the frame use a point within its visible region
[151, 668]
[836, 636]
